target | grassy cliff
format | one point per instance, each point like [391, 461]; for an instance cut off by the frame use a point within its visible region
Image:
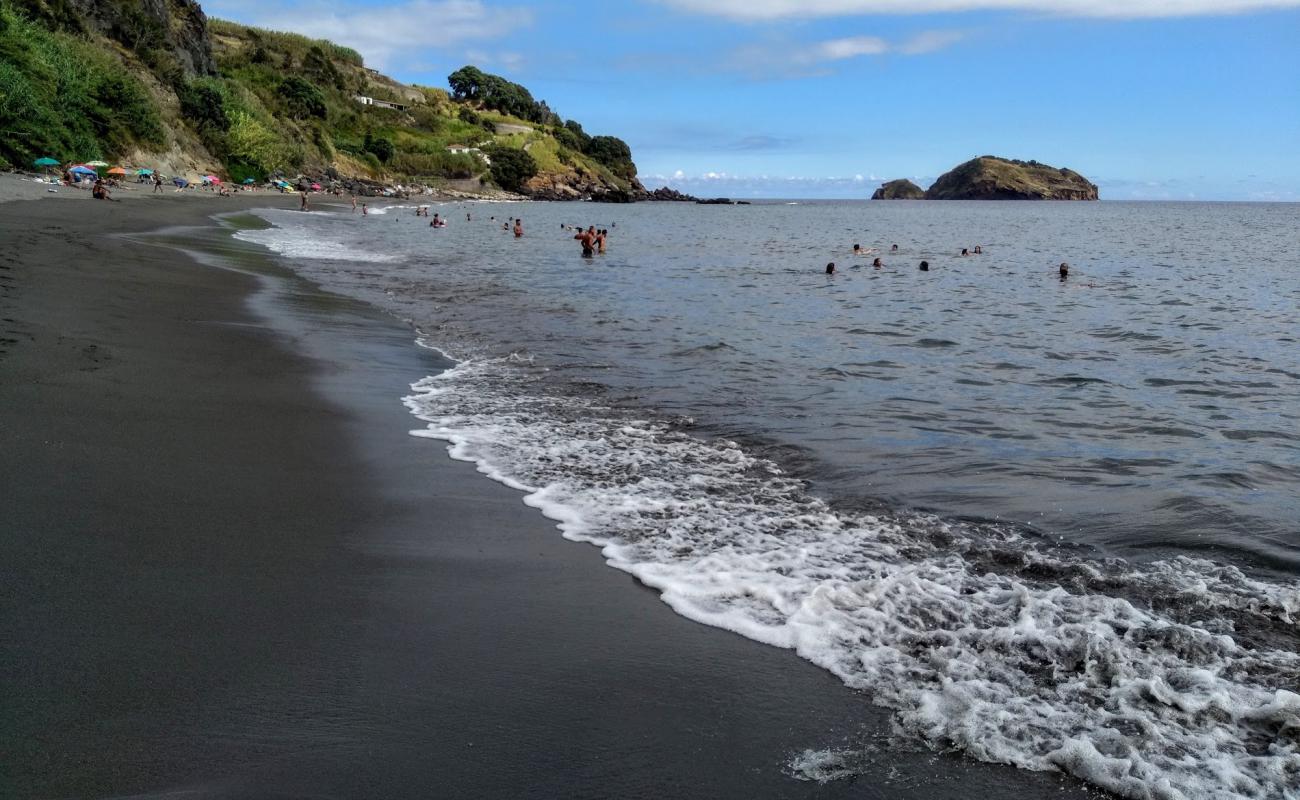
[158, 84]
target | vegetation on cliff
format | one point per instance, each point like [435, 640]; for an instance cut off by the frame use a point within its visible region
[160, 83]
[993, 178]
[901, 189]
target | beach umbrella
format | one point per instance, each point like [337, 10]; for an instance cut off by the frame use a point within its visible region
[144, 172]
[117, 171]
[315, 187]
[211, 179]
[97, 163]
[249, 180]
[82, 169]
[46, 162]
[181, 182]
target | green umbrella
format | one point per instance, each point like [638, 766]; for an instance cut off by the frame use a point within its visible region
[46, 162]
[144, 172]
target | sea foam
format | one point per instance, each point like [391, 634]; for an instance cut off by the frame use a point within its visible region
[1175, 680]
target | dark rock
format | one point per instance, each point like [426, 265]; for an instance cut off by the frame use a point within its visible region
[993, 178]
[178, 25]
[901, 189]
[717, 201]
[667, 195]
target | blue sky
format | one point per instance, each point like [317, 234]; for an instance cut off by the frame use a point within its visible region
[1152, 99]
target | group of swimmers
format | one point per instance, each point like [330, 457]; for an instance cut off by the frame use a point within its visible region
[592, 239]
[924, 266]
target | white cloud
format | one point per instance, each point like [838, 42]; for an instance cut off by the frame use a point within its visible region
[385, 34]
[801, 61]
[1123, 9]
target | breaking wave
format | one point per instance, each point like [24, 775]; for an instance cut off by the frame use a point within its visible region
[1171, 680]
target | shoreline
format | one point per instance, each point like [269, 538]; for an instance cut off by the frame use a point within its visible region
[233, 572]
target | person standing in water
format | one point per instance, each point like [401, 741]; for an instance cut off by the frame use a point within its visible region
[519, 228]
[925, 266]
[1064, 270]
[830, 268]
[878, 264]
[303, 207]
[587, 238]
[600, 240]
[354, 204]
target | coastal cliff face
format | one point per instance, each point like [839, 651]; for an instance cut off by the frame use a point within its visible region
[177, 26]
[901, 189]
[993, 178]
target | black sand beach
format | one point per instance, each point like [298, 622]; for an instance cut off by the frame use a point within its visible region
[228, 570]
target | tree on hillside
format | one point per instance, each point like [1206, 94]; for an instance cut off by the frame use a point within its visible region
[614, 153]
[492, 91]
[511, 168]
[302, 98]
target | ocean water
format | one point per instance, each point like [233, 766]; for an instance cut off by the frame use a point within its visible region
[1049, 523]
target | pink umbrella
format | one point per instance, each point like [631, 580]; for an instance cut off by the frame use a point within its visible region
[315, 187]
[211, 179]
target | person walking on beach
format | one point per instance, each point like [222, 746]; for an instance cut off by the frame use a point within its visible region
[157, 184]
[354, 204]
[303, 207]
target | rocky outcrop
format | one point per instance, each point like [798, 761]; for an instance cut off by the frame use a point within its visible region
[717, 201]
[901, 189]
[993, 178]
[667, 195]
[176, 26]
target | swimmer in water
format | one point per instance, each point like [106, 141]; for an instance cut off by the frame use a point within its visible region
[925, 266]
[365, 209]
[830, 268]
[893, 249]
[587, 237]
[965, 252]
[979, 251]
[857, 249]
[519, 228]
[601, 235]
[877, 263]
[1064, 270]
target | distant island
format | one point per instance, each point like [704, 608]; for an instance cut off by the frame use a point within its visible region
[994, 178]
[901, 189]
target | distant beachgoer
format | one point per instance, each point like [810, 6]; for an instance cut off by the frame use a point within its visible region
[925, 266]
[601, 235]
[365, 210]
[587, 237]
[1064, 270]
[303, 207]
[857, 249]
[877, 263]
[436, 222]
[100, 191]
[354, 204]
[505, 226]
[830, 268]
[468, 218]
[979, 251]
[965, 252]
[894, 249]
[157, 184]
[519, 228]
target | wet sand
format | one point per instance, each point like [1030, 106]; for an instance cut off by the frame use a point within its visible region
[226, 569]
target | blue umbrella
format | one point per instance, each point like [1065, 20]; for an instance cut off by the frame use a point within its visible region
[249, 180]
[181, 182]
[82, 170]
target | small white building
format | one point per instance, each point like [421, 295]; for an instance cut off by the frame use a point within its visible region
[370, 101]
[460, 149]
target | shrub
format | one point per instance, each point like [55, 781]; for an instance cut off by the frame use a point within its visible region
[511, 168]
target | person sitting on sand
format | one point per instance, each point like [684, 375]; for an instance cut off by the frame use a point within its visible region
[587, 237]
[519, 228]
[878, 264]
[100, 192]
[830, 268]
[925, 266]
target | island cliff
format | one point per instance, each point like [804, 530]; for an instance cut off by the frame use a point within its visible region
[993, 178]
[901, 189]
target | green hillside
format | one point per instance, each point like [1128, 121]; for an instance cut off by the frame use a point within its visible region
[81, 80]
